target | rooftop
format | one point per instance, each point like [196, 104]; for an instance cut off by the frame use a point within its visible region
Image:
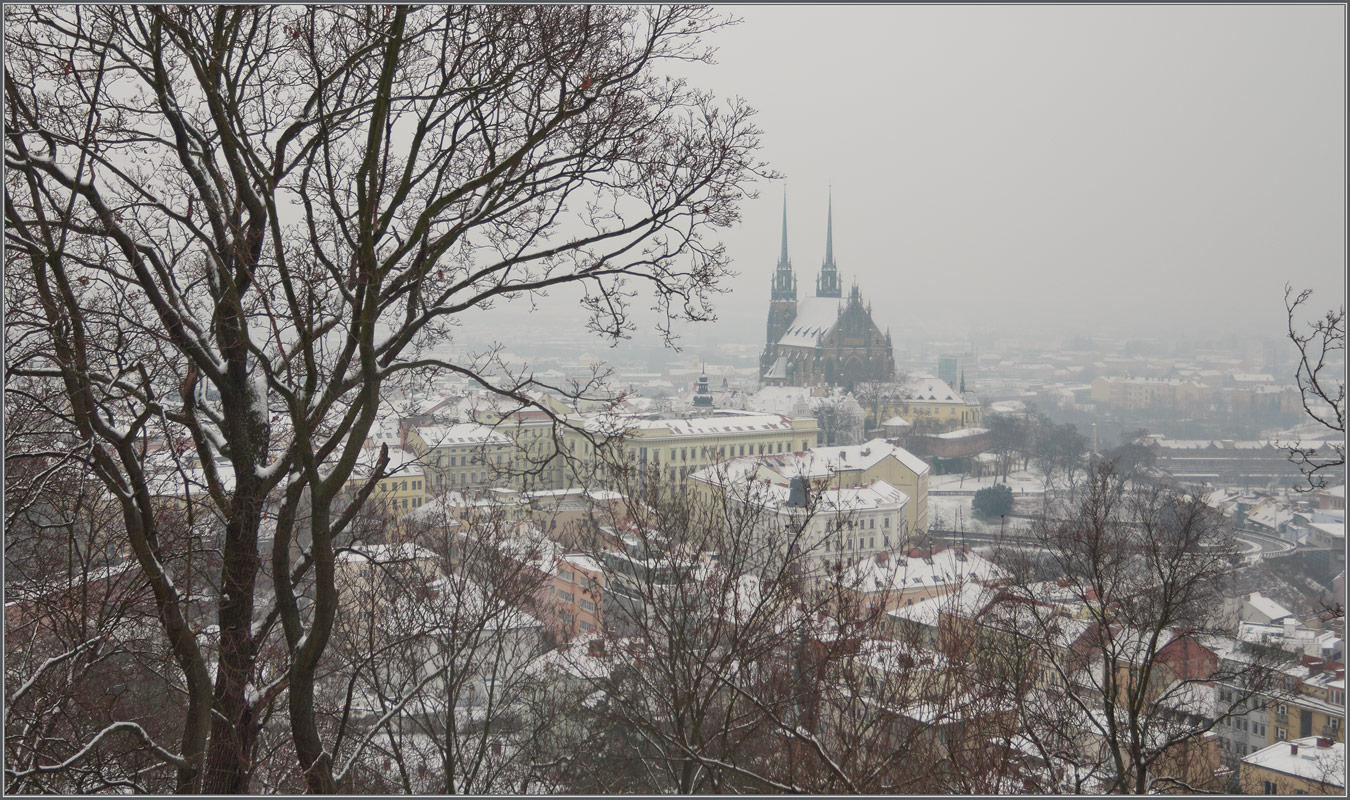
[1303, 758]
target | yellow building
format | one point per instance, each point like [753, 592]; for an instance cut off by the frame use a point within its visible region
[669, 450]
[841, 467]
[929, 405]
[462, 456]
[1311, 765]
[403, 487]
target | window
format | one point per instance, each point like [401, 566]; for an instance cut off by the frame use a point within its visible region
[566, 597]
[566, 574]
[1270, 787]
[587, 605]
[872, 542]
[886, 523]
[1281, 734]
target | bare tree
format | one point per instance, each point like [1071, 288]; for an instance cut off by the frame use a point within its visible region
[1146, 567]
[1321, 385]
[880, 397]
[234, 228]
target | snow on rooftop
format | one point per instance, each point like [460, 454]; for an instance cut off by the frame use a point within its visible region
[898, 573]
[725, 422]
[931, 389]
[815, 317]
[470, 433]
[384, 553]
[962, 433]
[1324, 764]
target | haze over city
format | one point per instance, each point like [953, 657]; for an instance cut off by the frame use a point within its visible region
[487, 399]
[1132, 170]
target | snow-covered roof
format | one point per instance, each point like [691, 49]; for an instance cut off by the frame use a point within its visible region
[962, 433]
[876, 496]
[895, 422]
[718, 424]
[815, 317]
[1270, 515]
[778, 370]
[1324, 764]
[463, 433]
[822, 462]
[401, 463]
[930, 389]
[1335, 530]
[1268, 608]
[899, 573]
[384, 553]
[965, 601]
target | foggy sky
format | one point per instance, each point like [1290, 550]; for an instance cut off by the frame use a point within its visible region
[1121, 170]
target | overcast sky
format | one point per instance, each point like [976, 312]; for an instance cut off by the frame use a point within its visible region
[1124, 170]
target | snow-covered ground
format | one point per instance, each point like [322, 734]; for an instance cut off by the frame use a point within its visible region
[1019, 482]
[950, 496]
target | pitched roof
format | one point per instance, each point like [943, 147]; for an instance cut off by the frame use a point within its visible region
[815, 317]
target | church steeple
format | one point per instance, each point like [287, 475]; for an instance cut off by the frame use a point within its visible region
[827, 285]
[784, 279]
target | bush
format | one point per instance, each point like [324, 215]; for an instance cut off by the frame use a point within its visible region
[993, 502]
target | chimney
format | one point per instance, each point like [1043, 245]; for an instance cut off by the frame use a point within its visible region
[1293, 749]
[882, 557]
[1323, 741]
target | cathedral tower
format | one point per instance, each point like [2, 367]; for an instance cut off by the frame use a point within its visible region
[827, 285]
[783, 301]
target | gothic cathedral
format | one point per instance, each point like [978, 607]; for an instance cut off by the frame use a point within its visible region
[823, 340]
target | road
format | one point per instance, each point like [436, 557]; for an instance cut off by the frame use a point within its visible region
[1253, 544]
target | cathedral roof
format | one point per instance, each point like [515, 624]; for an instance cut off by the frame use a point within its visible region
[815, 317]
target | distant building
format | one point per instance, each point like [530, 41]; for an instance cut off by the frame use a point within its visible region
[1153, 393]
[824, 340]
[931, 406]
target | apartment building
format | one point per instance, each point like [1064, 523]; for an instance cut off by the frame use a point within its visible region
[838, 467]
[670, 450]
[461, 456]
[1139, 393]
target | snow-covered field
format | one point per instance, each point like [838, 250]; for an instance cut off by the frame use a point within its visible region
[951, 512]
[1019, 482]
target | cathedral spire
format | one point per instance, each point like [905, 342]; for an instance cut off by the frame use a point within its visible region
[829, 230]
[784, 280]
[827, 285]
